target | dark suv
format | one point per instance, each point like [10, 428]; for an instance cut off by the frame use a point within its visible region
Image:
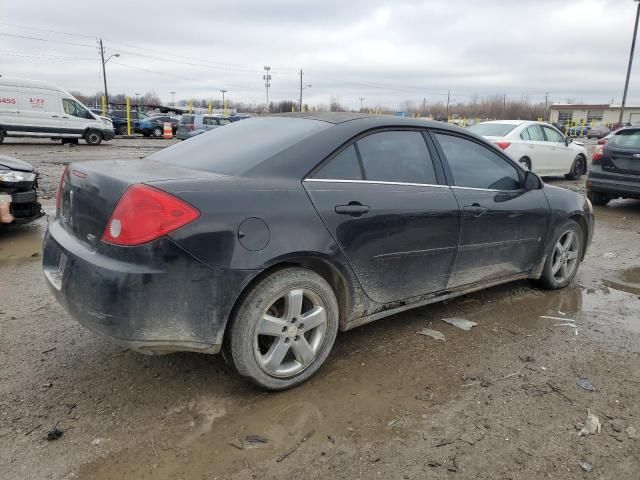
[615, 168]
[139, 123]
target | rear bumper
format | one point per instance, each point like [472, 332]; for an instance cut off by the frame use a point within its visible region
[154, 299]
[614, 184]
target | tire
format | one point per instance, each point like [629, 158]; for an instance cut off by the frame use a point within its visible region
[1, 136]
[93, 137]
[157, 132]
[122, 130]
[559, 270]
[72, 141]
[526, 163]
[578, 168]
[598, 198]
[255, 355]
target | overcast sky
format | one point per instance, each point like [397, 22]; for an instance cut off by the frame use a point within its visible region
[384, 51]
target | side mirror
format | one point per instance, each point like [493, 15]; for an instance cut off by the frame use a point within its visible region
[532, 181]
[567, 140]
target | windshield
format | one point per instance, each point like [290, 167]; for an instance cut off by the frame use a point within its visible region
[241, 146]
[627, 139]
[492, 129]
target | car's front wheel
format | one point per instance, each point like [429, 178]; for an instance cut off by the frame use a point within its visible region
[157, 132]
[93, 137]
[284, 329]
[563, 257]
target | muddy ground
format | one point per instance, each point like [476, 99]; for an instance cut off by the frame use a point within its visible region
[500, 401]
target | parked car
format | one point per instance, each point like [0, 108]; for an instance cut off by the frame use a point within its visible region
[31, 108]
[173, 120]
[578, 130]
[537, 146]
[193, 124]
[239, 116]
[615, 168]
[18, 191]
[137, 120]
[271, 234]
[598, 131]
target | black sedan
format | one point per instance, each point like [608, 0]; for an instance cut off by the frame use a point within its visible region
[267, 237]
[615, 167]
[18, 192]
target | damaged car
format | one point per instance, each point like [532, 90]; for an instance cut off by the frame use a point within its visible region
[18, 192]
[266, 238]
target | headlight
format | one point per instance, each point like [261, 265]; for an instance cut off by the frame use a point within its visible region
[14, 176]
[106, 121]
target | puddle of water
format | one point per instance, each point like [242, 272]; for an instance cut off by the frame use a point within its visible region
[21, 243]
[627, 281]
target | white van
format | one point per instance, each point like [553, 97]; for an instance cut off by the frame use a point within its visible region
[31, 108]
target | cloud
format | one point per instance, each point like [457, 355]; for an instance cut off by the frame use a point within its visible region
[385, 51]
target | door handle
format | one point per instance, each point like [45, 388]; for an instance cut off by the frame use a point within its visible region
[54, 116]
[65, 117]
[475, 210]
[353, 208]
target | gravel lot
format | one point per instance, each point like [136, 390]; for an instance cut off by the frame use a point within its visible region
[498, 402]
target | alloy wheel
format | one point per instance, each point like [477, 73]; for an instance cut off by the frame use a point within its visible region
[565, 256]
[290, 333]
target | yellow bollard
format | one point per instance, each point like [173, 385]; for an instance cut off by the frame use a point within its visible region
[224, 107]
[104, 105]
[292, 108]
[128, 117]
[190, 106]
[210, 108]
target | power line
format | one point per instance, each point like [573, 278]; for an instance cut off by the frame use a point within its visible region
[46, 40]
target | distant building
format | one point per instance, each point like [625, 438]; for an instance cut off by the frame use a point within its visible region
[595, 113]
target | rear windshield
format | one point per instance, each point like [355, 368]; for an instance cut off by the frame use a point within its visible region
[240, 146]
[492, 129]
[627, 138]
[186, 119]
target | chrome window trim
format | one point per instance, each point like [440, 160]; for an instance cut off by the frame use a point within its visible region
[329, 180]
[486, 189]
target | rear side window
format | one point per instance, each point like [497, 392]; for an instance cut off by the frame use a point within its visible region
[209, 121]
[475, 166]
[396, 156]
[344, 166]
[627, 139]
[525, 135]
[224, 121]
[535, 134]
[186, 120]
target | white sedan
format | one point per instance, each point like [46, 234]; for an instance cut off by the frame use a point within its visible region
[538, 146]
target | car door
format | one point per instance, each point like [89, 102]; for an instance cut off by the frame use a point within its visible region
[502, 224]
[40, 111]
[74, 118]
[538, 151]
[384, 201]
[561, 155]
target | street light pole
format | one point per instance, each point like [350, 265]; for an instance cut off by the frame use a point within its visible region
[633, 47]
[173, 99]
[104, 70]
[224, 105]
[267, 81]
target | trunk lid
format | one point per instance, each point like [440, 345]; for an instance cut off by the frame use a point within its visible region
[91, 190]
[622, 153]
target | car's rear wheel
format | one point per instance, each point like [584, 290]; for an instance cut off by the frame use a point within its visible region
[157, 132]
[525, 162]
[1, 136]
[93, 137]
[578, 169]
[122, 130]
[598, 198]
[284, 329]
[564, 256]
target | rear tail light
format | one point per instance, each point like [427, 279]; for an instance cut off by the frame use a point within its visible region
[61, 187]
[503, 145]
[598, 153]
[145, 213]
[192, 127]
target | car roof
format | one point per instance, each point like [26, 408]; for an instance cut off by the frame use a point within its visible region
[510, 122]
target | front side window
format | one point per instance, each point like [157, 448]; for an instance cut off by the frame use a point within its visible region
[552, 135]
[535, 133]
[396, 156]
[476, 166]
[344, 166]
[71, 107]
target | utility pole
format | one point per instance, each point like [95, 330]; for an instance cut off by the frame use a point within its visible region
[267, 81]
[300, 106]
[361, 103]
[173, 99]
[224, 105]
[504, 100]
[448, 98]
[633, 47]
[546, 104]
[104, 71]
